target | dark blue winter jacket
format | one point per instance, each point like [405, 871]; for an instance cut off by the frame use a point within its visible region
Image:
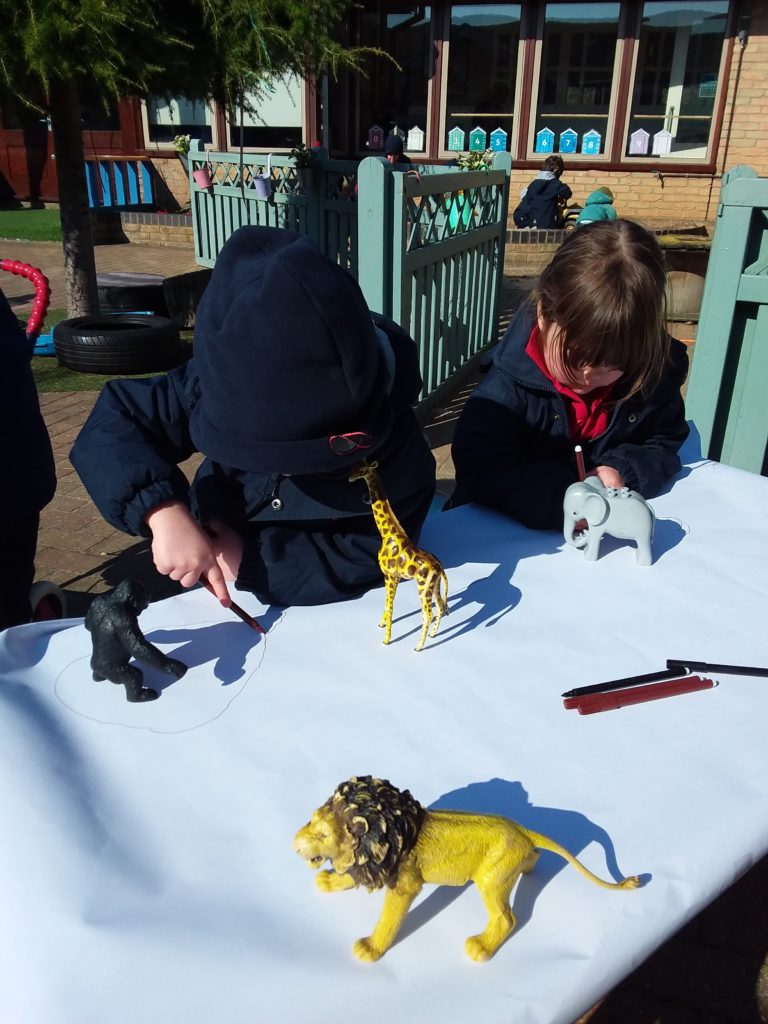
[541, 206]
[512, 448]
[309, 539]
[29, 474]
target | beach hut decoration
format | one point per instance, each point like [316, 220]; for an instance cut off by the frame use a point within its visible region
[376, 137]
[415, 139]
[457, 140]
[478, 140]
[662, 143]
[545, 141]
[638, 142]
[399, 133]
[590, 142]
[568, 141]
[498, 140]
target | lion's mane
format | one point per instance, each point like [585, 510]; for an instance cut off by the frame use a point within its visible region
[384, 823]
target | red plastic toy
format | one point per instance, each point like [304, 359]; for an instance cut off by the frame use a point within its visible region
[42, 293]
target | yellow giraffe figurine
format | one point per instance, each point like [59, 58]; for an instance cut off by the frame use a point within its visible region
[400, 559]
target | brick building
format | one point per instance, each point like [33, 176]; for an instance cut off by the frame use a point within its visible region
[654, 98]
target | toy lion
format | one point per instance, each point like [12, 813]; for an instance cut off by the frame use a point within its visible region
[377, 835]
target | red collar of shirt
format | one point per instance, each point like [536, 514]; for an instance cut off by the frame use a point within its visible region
[588, 414]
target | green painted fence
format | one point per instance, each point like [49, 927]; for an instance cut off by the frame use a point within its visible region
[434, 258]
[427, 246]
[726, 395]
[322, 206]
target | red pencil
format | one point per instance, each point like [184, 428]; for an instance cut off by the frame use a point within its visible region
[591, 703]
[580, 462]
[249, 619]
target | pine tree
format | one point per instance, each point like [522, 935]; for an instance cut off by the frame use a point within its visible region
[54, 52]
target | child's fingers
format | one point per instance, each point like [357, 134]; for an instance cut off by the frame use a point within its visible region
[214, 579]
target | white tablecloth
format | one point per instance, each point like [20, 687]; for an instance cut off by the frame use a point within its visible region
[146, 865]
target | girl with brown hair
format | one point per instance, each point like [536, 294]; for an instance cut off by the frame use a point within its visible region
[587, 360]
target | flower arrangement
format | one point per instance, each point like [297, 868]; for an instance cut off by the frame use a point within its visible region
[181, 144]
[475, 160]
[303, 157]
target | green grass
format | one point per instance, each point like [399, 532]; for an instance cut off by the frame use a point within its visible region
[49, 376]
[30, 225]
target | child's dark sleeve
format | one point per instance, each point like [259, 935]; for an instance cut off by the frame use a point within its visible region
[564, 192]
[308, 566]
[649, 455]
[495, 467]
[128, 451]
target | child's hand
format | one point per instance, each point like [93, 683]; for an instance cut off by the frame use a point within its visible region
[607, 476]
[227, 547]
[181, 549]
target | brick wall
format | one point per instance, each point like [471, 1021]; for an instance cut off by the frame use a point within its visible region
[174, 229]
[171, 184]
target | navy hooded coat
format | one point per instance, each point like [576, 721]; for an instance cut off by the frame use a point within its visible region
[512, 448]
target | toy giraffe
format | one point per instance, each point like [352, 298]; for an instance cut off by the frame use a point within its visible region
[400, 559]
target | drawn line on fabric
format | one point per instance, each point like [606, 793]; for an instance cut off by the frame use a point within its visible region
[142, 727]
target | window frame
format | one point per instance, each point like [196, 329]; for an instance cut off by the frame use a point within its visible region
[670, 162]
[575, 159]
[308, 120]
[162, 148]
[442, 104]
[438, 12]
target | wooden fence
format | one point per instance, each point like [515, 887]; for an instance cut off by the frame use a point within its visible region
[427, 247]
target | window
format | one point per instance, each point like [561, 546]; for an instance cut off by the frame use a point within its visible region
[676, 78]
[576, 77]
[274, 121]
[167, 118]
[482, 69]
[389, 97]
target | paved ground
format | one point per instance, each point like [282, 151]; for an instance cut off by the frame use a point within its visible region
[709, 973]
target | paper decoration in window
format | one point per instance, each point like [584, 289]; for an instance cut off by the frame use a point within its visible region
[590, 142]
[707, 86]
[398, 131]
[499, 140]
[478, 139]
[662, 143]
[568, 140]
[415, 139]
[376, 137]
[545, 141]
[457, 139]
[638, 142]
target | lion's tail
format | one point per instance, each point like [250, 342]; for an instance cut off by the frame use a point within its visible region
[544, 843]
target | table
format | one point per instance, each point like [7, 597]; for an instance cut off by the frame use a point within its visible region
[146, 856]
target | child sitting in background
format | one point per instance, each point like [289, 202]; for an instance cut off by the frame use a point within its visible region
[291, 385]
[542, 203]
[597, 206]
[587, 360]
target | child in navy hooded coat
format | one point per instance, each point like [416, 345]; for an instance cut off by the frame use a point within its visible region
[292, 383]
[29, 474]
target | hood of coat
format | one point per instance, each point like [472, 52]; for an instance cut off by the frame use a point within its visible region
[598, 198]
[293, 376]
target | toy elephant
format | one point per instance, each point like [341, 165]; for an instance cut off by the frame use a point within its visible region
[617, 511]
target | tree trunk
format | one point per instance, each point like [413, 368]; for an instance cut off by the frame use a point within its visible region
[79, 263]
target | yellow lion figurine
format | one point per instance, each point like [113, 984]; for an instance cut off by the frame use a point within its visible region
[377, 835]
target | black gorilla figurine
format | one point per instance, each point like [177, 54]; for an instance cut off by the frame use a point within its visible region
[113, 624]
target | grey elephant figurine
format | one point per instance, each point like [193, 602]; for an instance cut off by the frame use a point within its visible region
[617, 511]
